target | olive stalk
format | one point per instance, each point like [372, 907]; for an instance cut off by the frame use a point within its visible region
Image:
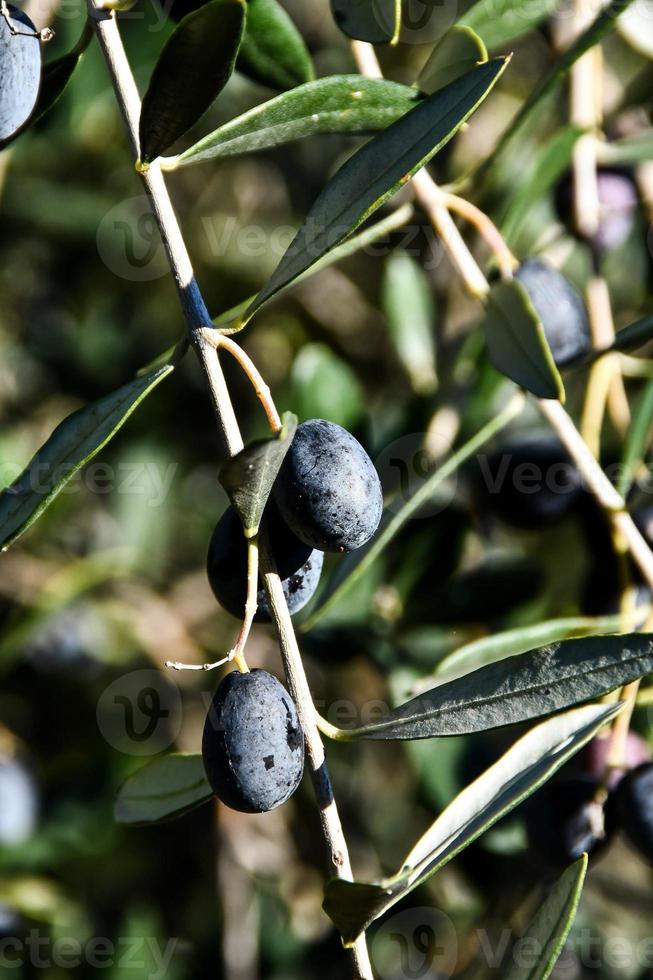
[197, 318]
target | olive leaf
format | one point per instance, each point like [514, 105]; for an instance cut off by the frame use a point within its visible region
[529, 763]
[375, 21]
[20, 71]
[273, 51]
[515, 19]
[378, 170]
[193, 68]
[519, 688]
[337, 104]
[516, 343]
[162, 790]
[548, 930]
[408, 303]
[57, 74]
[74, 442]
[510, 643]
[455, 54]
[249, 475]
[600, 26]
[549, 165]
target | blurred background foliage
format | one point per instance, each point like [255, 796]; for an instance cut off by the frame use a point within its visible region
[112, 579]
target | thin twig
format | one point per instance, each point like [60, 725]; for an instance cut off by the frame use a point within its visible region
[197, 317]
[486, 228]
[262, 390]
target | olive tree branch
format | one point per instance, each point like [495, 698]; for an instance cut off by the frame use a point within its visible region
[426, 190]
[197, 318]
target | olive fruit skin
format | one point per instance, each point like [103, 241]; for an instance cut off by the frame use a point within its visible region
[298, 564]
[530, 483]
[565, 821]
[327, 490]
[560, 309]
[20, 71]
[253, 746]
[631, 808]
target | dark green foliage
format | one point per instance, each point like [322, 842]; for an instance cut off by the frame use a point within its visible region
[253, 747]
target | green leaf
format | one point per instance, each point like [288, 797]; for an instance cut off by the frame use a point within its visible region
[636, 27]
[629, 150]
[550, 927]
[354, 567]
[273, 51]
[637, 439]
[165, 788]
[516, 343]
[456, 53]
[490, 649]
[499, 26]
[57, 74]
[74, 442]
[193, 68]
[378, 170]
[376, 21]
[248, 476]
[552, 161]
[633, 336]
[324, 386]
[231, 321]
[408, 303]
[353, 906]
[338, 104]
[519, 688]
[600, 26]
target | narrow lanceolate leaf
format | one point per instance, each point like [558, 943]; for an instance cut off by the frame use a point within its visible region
[57, 74]
[548, 167]
[338, 104]
[515, 18]
[353, 906]
[273, 51]
[519, 688]
[248, 476]
[74, 442]
[376, 21]
[600, 26]
[633, 336]
[407, 301]
[20, 72]
[510, 643]
[544, 940]
[193, 68]
[164, 789]
[516, 343]
[378, 170]
[455, 54]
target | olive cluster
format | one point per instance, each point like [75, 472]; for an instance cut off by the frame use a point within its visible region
[327, 497]
[579, 813]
